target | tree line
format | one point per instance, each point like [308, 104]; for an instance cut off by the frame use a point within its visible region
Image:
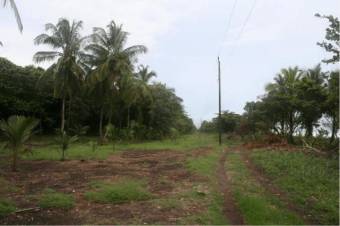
[93, 84]
[302, 102]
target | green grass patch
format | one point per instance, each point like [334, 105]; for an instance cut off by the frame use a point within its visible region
[204, 165]
[6, 207]
[306, 179]
[84, 149]
[256, 206]
[207, 166]
[118, 192]
[53, 199]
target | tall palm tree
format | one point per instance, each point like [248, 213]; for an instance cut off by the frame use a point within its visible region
[143, 77]
[17, 130]
[109, 60]
[144, 74]
[16, 12]
[284, 90]
[65, 40]
[312, 95]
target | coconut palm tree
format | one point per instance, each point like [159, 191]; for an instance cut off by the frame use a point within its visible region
[16, 12]
[144, 74]
[284, 91]
[65, 40]
[312, 95]
[109, 60]
[17, 130]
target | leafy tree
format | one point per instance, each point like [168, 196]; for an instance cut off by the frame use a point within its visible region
[165, 111]
[109, 60]
[65, 40]
[17, 130]
[19, 94]
[332, 102]
[311, 98]
[332, 43]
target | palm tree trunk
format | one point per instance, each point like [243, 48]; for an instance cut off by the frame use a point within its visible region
[14, 160]
[128, 118]
[291, 129]
[101, 124]
[69, 113]
[62, 127]
[63, 155]
[334, 128]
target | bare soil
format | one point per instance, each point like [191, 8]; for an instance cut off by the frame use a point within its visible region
[164, 171]
[231, 210]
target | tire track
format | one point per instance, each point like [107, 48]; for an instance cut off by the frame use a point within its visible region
[267, 184]
[230, 209]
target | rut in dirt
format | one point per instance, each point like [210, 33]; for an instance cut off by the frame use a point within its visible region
[267, 184]
[230, 209]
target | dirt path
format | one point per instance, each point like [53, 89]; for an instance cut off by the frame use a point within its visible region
[266, 182]
[231, 211]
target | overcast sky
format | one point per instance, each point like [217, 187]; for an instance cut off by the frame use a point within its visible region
[184, 38]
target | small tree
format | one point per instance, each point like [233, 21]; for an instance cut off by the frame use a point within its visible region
[110, 133]
[65, 140]
[17, 130]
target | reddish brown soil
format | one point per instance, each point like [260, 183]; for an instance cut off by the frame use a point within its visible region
[259, 174]
[164, 170]
[231, 211]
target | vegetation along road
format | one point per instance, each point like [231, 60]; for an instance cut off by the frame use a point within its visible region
[185, 181]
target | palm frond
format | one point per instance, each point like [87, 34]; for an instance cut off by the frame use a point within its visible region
[46, 56]
[16, 13]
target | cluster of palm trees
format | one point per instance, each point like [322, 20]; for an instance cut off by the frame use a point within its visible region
[297, 100]
[101, 63]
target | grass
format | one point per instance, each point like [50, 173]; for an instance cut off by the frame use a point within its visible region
[53, 199]
[204, 165]
[84, 150]
[256, 206]
[307, 179]
[118, 192]
[207, 166]
[6, 207]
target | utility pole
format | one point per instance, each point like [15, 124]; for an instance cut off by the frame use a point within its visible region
[219, 103]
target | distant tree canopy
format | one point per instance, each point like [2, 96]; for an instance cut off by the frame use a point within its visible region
[294, 103]
[23, 91]
[93, 82]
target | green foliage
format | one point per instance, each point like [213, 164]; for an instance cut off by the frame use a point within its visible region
[64, 141]
[331, 44]
[17, 130]
[118, 192]
[307, 179]
[19, 94]
[6, 207]
[53, 199]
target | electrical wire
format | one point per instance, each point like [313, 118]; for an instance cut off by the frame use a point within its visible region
[225, 34]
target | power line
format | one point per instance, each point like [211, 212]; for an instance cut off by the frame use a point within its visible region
[228, 26]
[243, 26]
